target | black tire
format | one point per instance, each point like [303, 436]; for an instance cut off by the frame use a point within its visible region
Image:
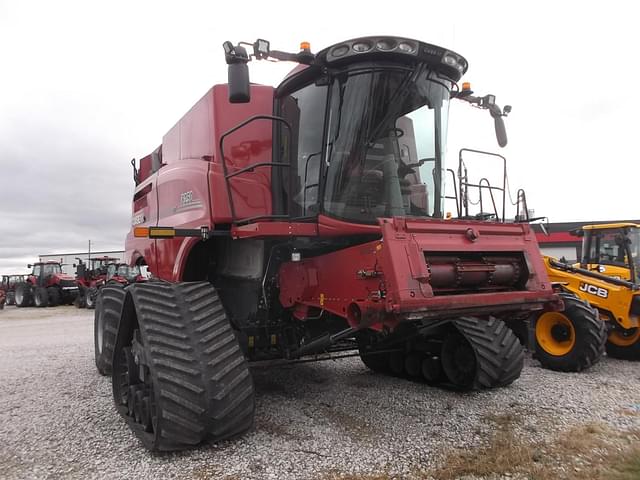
[572, 340]
[90, 298]
[624, 352]
[40, 297]
[54, 296]
[105, 326]
[495, 355]
[197, 383]
[81, 299]
[11, 298]
[24, 295]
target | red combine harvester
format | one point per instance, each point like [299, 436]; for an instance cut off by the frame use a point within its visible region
[46, 286]
[308, 220]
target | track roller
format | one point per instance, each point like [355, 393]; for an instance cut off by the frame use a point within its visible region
[431, 369]
[179, 374]
[468, 354]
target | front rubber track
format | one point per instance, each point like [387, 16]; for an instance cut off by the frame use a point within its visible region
[202, 386]
[498, 352]
[105, 326]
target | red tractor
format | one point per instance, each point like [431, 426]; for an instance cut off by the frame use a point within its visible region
[124, 274]
[8, 286]
[307, 219]
[46, 286]
[89, 280]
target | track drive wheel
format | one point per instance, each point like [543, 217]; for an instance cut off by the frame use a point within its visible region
[571, 340]
[54, 296]
[624, 344]
[378, 362]
[179, 374]
[40, 297]
[481, 353]
[24, 295]
[90, 298]
[105, 326]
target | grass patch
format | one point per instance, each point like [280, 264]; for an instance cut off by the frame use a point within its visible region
[593, 451]
[628, 467]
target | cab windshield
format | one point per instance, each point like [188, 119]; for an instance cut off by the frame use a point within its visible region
[51, 269]
[613, 247]
[386, 143]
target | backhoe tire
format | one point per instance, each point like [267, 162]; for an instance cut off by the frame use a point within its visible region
[24, 295]
[40, 297]
[105, 326]
[179, 374]
[624, 345]
[572, 340]
[11, 298]
[90, 298]
[481, 353]
[54, 296]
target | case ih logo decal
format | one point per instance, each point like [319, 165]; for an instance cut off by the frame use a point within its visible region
[593, 290]
[137, 219]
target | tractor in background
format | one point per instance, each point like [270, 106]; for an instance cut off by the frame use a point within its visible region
[90, 277]
[46, 286]
[124, 274]
[605, 281]
[307, 222]
[8, 286]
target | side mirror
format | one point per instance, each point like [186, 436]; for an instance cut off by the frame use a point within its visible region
[239, 90]
[237, 59]
[501, 131]
[29, 265]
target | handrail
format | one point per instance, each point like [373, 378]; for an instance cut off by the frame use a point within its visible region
[228, 176]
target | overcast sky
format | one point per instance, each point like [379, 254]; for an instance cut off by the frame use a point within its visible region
[85, 86]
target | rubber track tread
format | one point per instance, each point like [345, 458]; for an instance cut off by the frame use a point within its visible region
[204, 390]
[499, 355]
[109, 305]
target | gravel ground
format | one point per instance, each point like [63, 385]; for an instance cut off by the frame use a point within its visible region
[313, 420]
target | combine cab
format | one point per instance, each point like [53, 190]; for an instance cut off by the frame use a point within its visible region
[46, 286]
[308, 220]
[8, 286]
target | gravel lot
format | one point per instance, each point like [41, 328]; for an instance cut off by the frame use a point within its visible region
[314, 421]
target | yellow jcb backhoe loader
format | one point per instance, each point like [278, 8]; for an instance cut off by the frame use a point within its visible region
[605, 279]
